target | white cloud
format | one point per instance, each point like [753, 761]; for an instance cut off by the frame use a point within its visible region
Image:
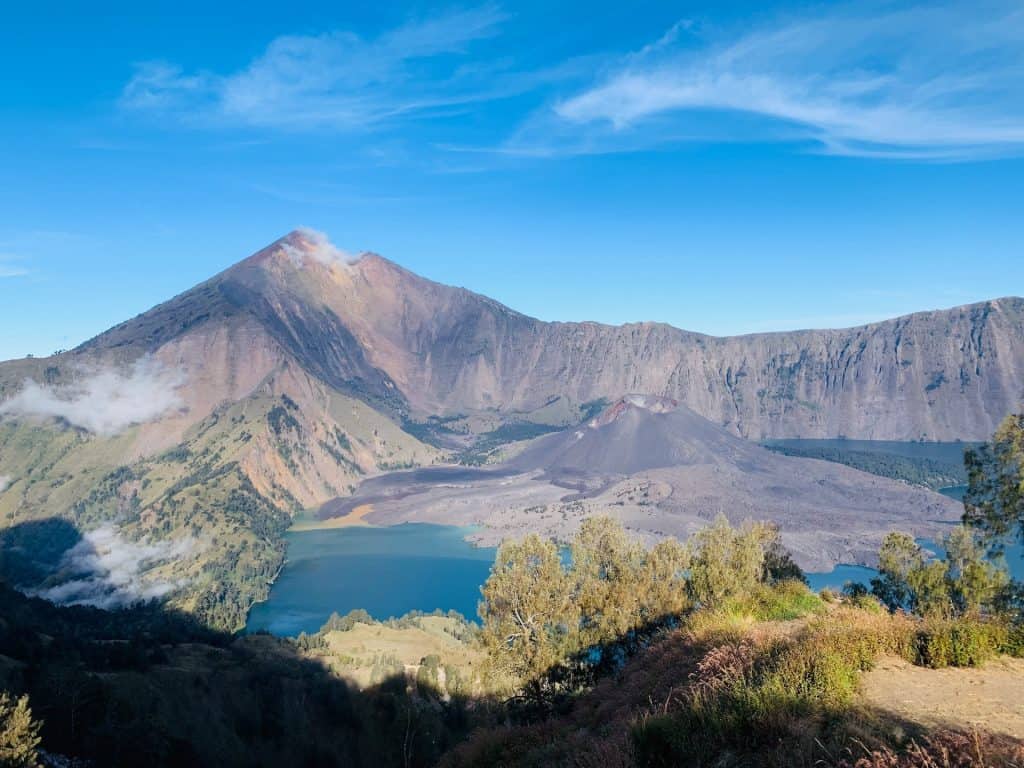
[336, 80]
[7, 269]
[937, 81]
[309, 242]
[109, 571]
[5, 482]
[105, 401]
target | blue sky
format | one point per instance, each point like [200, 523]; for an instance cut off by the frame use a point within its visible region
[724, 167]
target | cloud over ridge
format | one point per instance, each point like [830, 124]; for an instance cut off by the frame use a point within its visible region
[109, 571]
[316, 245]
[104, 401]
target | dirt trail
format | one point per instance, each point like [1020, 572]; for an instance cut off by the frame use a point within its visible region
[991, 698]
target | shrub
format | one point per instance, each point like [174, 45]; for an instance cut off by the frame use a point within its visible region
[1013, 645]
[748, 696]
[782, 602]
[858, 595]
[19, 733]
[961, 642]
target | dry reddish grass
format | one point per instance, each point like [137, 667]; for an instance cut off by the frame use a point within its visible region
[948, 749]
[694, 666]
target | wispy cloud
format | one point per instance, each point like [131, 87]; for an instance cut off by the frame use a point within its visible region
[335, 80]
[9, 266]
[107, 570]
[936, 81]
[5, 482]
[103, 401]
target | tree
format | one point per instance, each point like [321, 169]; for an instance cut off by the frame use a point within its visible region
[527, 612]
[725, 560]
[929, 589]
[964, 582]
[974, 581]
[663, 581]
[19, 734]
[606, 564]
[994, 501]
[898, 556]
[778, 563]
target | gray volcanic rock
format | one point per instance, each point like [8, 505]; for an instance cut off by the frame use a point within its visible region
[662, 470]
[635, 434]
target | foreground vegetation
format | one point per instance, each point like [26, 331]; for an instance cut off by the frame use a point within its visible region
[706, 652]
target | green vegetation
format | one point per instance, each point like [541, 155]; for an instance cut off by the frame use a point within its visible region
[744, 667]
[711, 651]
[762, 696]
[994, 501]
[546, 624]
[149, 687]
[19, 733]
[223, 496]
[965, 583]
[691, 653]
[960, 600]
[931, 473]
[487, 443]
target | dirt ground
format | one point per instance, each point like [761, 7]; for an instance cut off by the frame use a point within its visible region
[991, 697]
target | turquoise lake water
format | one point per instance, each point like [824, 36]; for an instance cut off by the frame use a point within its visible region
[386, 571]
[841, 574]
[391, 571]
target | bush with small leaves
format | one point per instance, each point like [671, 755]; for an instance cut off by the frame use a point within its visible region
[19, 733]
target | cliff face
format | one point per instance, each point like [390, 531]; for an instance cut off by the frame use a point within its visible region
[941, 375]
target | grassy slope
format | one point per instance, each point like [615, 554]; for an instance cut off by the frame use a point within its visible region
[768, 681]
[367, 651]
[231, 485]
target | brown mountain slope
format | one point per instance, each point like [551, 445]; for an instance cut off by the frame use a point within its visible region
[407, 345]
[936, 375]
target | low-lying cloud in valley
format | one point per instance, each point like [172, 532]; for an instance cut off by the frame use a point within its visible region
[5, 482]
[104, 402]
[108, 570]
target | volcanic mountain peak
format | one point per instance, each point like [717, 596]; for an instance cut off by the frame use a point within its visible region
[303, 246]
[650, 403]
